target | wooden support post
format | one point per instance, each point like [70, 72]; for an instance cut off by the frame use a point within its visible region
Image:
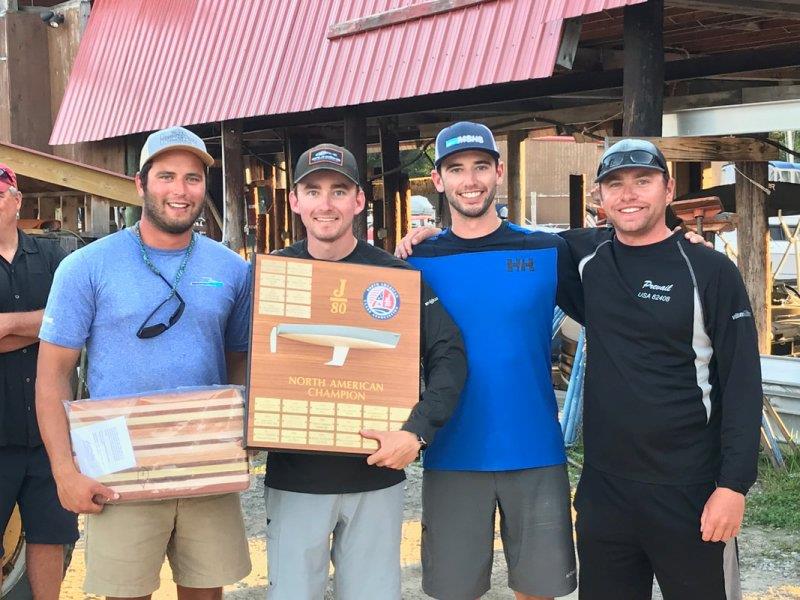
[213, 219]
[390, 161]
[280, 233]
[380, 234]
[267, 207]
[233, 185]
[515, 176]
[577, 201]
[688, 177]
[261, 233]
[355, 140]
[405, 206]
[69, 213]
[283, 177]
[397, 225]
[643, 69]
[99, 219]
[47, 208]
[273, 239]
[289, 218]
[753, 245]
[294, 145]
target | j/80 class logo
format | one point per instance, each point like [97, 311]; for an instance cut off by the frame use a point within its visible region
[381, 301]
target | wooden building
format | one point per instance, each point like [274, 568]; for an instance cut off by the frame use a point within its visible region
[262, 85]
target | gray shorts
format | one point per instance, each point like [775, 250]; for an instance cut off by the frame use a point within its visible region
[359, 533]
[458, 516]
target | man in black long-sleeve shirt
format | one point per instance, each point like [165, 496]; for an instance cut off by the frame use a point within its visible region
[355, 500]
[673, 397]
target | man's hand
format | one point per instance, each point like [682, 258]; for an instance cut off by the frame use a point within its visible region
[405, 247]
[722, 515]
[81, 494]
[397, 448]
[695, 238]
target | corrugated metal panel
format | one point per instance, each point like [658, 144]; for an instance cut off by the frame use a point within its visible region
[147, 64]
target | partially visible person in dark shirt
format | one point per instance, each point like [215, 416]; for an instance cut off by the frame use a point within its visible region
[28, 264]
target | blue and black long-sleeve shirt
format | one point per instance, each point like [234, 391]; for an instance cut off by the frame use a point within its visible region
[501, 290]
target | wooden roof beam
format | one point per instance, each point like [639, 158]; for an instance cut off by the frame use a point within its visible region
[711, 148]
[782, 9]
[396, 16]
[69, 174]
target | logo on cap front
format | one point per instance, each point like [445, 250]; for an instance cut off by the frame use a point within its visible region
[464, 139]
[326, 155]
[381, 301]
[176, 136]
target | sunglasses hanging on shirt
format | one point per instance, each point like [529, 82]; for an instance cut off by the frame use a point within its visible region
[146, 331]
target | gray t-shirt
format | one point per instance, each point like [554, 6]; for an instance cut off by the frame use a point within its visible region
[102, 294]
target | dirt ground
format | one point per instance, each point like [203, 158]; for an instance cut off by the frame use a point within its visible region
[770, 560]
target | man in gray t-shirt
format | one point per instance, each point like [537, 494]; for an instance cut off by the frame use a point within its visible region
[157, 307]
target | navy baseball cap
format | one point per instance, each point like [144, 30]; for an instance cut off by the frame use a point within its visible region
[461, 136]
[631, 153]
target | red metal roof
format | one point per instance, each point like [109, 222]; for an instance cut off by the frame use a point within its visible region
[147, 64]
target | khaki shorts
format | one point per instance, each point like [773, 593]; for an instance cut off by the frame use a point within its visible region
[203, 538]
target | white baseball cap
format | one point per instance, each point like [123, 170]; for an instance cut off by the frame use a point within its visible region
[174, 138]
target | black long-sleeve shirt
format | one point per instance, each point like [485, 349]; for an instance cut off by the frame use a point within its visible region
[444, 369]
[673, 380]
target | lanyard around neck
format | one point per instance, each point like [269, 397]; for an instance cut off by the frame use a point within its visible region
[181, 269]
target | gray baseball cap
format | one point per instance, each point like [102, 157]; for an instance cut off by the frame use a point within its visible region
[327, 157]
[631, 153]
[174, 138]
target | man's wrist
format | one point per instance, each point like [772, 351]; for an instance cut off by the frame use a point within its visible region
[734, 487]
[5, 324]
[64, 469]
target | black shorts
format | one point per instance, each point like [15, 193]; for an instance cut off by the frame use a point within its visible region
[26, 479]
[628, 531]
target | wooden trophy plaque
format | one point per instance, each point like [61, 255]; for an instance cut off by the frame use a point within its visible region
[334, 349]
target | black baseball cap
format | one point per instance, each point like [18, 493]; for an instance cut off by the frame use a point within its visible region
[631, 153]
[462, 136]
[327, 157]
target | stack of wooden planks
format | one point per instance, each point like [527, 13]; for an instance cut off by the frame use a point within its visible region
[186, 442]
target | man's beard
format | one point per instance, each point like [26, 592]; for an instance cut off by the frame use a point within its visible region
[482, 210]
[154, 212]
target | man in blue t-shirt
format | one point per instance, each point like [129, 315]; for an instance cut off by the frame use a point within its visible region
[502, 448]
[158, 307]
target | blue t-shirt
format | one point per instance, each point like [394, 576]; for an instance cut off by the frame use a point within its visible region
[102, 294]
[501, 290]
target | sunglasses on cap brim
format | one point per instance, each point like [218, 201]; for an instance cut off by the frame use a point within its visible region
[6, 176]
[641, 158]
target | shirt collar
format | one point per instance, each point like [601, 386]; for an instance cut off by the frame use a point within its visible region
[27, 243]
